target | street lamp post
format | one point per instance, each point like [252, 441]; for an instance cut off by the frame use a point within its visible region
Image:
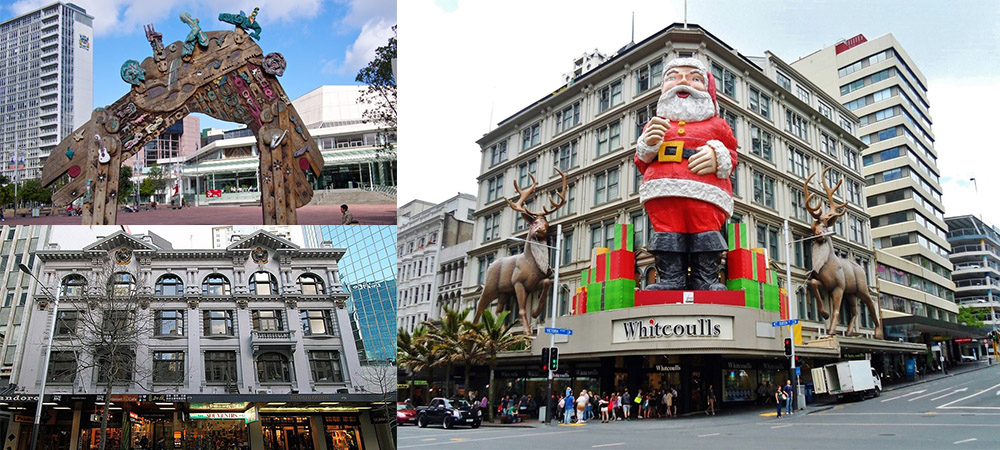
[48, 354]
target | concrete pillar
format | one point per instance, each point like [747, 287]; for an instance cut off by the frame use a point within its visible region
[74, 436]
[256, 432]
[318, 432]
[372, 435]
[15, 431]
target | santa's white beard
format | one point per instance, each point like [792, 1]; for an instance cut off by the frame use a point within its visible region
[697, 107]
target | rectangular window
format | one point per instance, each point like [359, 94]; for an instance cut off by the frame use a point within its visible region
[828, 144]
[825, 110]
[638, 221]
[799, 205]
[726, 80]
[267, 320]
[566, 155]
[802, 94]
[218, 323]
[567, 248]
[317, 323]
[66, 325]
[606, 186]
[847, 125]
[220, 366]
[498, 153]
[763, 189]
[854, 192]
[169, 323]
[798, 162]
[734, 179]
[784, 81]
[609, 138]
[602, 234]
[531, 136]
[796, 124]
[851, 158]
[767, 237]
[567, 208]
[729, 117]
[648, 76]
[494, 188]
[609, 96]
[761, 143]
[168, 367]
[62, 367]
[524, 172]
[760, 103]
[642, 116]
[325, 366]
[491, 227]
[568, 118]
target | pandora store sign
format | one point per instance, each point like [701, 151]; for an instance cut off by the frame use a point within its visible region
[672, 328]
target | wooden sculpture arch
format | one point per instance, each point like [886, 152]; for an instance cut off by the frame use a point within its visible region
[223, 74]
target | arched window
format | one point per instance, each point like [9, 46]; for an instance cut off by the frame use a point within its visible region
[170, 285]
[122, 284]
[311, 284]
[215, 284]
[650, 277]
[74, 285]
[263, 283]
[273, 368]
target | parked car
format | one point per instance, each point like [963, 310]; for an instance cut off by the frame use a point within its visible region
[405, 413]
[968, 358]
[448, 413]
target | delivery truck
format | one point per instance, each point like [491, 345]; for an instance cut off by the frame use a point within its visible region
[847, 379]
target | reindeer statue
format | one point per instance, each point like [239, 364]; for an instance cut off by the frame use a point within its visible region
[528, 272]
[837, 277]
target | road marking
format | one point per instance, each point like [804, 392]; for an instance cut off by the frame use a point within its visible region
[868, 424]
[607, 445]
[710, 434]
[938, 392]
[904, 395]
[948, 405]
[459, 439]
[781, 426]
[967, 440]
[489, 439]
[953, 392]
[429, 439]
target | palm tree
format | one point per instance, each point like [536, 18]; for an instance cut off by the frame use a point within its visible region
[443, 336]
[413, 352]
[495, 337]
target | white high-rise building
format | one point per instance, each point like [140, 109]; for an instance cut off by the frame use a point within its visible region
[46, 83]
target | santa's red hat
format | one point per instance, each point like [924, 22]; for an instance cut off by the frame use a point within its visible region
[700, 66]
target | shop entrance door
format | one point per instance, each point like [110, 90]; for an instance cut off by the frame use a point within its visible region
[287, 433]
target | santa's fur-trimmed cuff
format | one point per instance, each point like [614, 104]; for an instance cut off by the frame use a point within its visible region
[644, 152]
[724, 161]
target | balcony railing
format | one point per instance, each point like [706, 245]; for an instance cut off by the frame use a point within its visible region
[260, 339]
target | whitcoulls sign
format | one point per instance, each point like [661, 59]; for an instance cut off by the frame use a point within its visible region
[672, 328]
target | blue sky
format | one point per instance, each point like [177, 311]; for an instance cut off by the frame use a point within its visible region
[324, 41]
[522, 48]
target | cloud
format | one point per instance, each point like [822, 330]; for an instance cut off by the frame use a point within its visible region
[373, 34]
[124, 16]
[362, 12]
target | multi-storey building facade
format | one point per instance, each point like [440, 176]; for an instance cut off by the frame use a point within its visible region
[879, 82]
[422, 238]
[243, 345]
[46, 83]
[368, 272]
[975, 254]
[787, 128]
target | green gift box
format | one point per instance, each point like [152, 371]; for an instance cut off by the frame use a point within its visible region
[772, 300]
[751, 289]
[619, 294]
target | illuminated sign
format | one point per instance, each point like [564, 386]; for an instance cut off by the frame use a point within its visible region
[218, 416]
[234, 406]
[672, 328]
[250, 415]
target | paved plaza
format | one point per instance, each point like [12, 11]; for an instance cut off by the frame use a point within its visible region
[366, 214]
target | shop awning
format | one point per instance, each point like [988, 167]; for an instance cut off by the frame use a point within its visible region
[935, 327]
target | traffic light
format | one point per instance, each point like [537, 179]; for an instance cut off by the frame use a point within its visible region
[545, 358]
[788, 346]
[798, 361]
[554, 358]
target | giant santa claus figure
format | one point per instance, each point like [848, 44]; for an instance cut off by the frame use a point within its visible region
[686, 155]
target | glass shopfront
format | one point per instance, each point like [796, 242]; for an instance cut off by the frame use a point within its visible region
[343, 433]
[215, 434]
[287, 433]
[742, 380]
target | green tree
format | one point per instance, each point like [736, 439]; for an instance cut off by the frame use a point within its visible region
[970, 316]
[126, 187]
[450, 345]
[495, 337]
[380, 96]
[155, 181]
[6, 194]
[31, 191]
[413, 352]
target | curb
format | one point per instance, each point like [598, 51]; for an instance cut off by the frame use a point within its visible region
[928, 380]
[825, 408]
[499, 425]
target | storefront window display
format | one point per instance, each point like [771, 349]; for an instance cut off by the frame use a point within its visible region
[287, 433]
[342, 432]
[748, 380]
[216, 434]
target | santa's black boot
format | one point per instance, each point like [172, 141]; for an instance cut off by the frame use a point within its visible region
[706, 254]
[671, 271]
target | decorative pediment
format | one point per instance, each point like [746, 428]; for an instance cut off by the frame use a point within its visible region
[117, 241]
[262, 239]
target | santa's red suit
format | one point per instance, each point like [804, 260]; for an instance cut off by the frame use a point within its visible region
[678, 200]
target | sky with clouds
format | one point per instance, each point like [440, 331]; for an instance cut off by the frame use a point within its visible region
[466, 65]
[324, 41]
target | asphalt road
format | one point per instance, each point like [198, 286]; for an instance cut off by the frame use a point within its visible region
[959, 412]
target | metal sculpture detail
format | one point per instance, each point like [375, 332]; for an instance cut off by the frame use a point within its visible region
[242, 21]
[524, 274]
[839, 278]
[218, 73]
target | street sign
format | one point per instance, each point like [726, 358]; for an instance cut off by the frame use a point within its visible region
[565, 331]
[785, 323]
[798, 371]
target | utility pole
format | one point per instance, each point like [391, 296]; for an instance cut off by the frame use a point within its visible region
[552, 322]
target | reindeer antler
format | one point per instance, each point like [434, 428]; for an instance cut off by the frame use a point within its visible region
[519, 205]
[835, 209]
[815, 212]
[561, 194]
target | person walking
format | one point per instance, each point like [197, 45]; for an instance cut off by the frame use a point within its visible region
[582, 405]
[568, 407]
[677, 400]
[612, 405]
[668, 399]
[788, 396]
[603, 405]
[779, 399]
[626, 404]
[711, 400]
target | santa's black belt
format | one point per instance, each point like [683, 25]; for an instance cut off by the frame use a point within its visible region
[674, 151]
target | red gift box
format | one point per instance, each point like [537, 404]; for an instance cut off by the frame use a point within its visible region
[647, 298]
[601, 267]
[760, 260]
[739, 264]
[622, 264]
[783, 303]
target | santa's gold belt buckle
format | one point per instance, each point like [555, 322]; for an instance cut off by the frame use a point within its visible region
[676, 156]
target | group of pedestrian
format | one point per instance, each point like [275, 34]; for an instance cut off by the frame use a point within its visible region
[619, 405]
[657, 403]
[512, 406]
[783, 398]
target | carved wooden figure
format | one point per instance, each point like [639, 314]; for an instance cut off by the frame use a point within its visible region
[522, 275]
[839, 278]
[223, 74]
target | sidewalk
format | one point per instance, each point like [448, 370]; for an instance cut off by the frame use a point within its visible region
[962, 368]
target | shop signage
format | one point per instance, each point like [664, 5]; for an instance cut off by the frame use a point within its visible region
[586, 372]
[119, 398]
[178, 398]
[402, 386]
[72, 398]
[251, 415]
[963, 340]
[672, 328]
[380, 419]
[420, 382]
[739, 365]
[46, 418]
[217, 416]
[18, 398]
[236, 406]
[668, 368]
[350, 420]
